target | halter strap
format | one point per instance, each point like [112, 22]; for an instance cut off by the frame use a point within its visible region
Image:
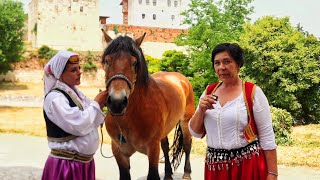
[119, 76]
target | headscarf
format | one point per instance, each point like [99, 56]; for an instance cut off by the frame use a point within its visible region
[53, 69]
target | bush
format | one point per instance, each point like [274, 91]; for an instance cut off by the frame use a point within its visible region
[175, 61]
[153, 64]
[89, 65]
[282, 122]
[46, 52]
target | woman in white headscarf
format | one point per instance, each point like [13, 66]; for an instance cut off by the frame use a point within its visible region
[71, 120]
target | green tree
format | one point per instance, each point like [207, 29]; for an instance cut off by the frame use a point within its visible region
[175, 61]
[11, 33]
[284, 61]
[211, 23]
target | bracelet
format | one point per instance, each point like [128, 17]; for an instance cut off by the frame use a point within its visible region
[273, 173]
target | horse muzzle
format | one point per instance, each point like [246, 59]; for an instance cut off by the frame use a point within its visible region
[117, 105]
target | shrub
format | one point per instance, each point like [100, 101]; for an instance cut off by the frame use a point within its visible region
[153, 64]
[88, 64]
[282, 122]
[46, 52]
[175, 61]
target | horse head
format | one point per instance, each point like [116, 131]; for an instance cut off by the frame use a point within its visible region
[125, 67]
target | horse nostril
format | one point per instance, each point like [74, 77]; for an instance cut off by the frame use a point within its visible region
[108, 103]
[125, 102]
[117, 106]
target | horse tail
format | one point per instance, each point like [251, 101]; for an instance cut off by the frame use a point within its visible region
[177, 147]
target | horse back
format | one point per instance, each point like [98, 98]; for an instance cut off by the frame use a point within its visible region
[178, 93]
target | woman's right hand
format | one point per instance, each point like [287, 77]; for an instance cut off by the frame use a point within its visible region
[101, 98]
[206, 102]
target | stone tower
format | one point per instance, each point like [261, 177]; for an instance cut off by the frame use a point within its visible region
[63, 24]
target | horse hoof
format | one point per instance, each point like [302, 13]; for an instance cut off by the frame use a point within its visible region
[186, 176]
[162, 160]
[167, 178]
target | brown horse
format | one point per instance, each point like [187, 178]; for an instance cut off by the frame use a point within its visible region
[143, 109]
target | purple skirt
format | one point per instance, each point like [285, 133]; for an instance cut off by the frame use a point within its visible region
[61, 169]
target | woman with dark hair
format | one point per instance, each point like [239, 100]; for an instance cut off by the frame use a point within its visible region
[71, 121]
[235, 117]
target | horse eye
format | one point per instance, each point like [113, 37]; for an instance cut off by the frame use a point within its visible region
[134, 63]
[106, 62]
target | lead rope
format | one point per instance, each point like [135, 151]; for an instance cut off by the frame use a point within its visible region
[102, 142]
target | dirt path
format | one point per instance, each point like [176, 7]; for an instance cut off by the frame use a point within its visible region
[22, 158]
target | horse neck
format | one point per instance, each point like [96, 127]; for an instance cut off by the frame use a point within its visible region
[140, 90]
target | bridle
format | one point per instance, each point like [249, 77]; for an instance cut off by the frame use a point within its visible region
[123, 77]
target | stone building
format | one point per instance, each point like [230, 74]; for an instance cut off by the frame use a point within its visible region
[76, 24]
[154, 13]
[63, 24]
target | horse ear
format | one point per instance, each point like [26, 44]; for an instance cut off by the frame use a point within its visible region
[140, 39]
[106, 36]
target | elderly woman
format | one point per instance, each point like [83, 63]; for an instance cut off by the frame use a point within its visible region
[71, 121]
[235, 117]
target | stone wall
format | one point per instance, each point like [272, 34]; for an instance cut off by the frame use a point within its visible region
[164, 35]
[63, 24]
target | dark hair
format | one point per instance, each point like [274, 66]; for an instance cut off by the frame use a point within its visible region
[233, 49]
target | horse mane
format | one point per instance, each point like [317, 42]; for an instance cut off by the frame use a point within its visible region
[127, 44]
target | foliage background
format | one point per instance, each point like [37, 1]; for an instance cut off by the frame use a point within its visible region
[11, 33]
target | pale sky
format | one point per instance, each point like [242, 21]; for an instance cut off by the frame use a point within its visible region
[305, 12]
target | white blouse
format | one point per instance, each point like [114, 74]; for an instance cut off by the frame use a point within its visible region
[224, 125]
[74, 121]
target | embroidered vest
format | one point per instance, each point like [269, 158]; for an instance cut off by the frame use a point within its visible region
[54, 132]
[250, 131]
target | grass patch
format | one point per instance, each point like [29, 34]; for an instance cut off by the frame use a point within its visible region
[20, 89]
[22, 120]
[305, 149]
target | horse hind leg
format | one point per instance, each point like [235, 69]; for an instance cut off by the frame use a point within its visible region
[167, 165]
[187, 143]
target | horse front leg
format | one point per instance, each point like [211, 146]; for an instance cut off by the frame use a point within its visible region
[123, 162]
[167, 165]
[153, 157]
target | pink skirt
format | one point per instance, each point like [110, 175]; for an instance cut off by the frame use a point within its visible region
[62, 169]
[246, 163]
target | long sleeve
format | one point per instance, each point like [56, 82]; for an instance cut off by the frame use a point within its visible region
[263, 120]
[72, 119]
